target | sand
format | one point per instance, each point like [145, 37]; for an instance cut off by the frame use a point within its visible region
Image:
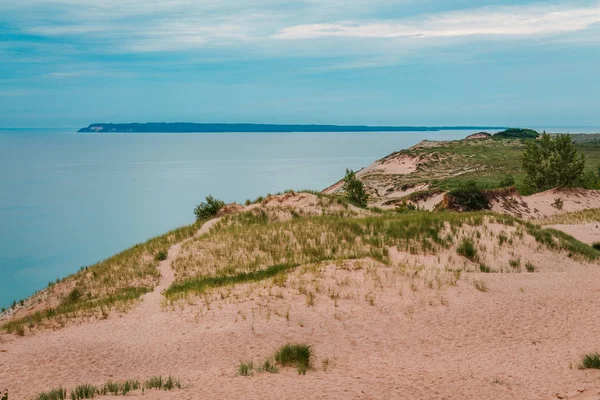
[544, 204]
[379, 340]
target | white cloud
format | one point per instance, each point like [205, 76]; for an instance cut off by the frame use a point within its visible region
[503, 21]
[265, 28]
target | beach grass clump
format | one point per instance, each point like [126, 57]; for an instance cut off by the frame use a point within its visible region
[54, 394]
[269, 365]
[590, 361]
[529, 267]
[467, 249]
[85, 391]
[158, 382]
[246, 368]
[484, 268]
[294, 354]
[88, 391]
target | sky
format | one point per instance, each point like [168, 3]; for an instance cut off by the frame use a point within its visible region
[69, 63]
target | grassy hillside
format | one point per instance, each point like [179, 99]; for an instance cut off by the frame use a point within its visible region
[448, 165]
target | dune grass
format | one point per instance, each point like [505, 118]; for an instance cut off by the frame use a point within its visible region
[294, 354]
[116, 281]
[449, 165]
[54, 394]
[298, 355]
[590, 361]
[573, 218]
[88, 391]
[249, 248]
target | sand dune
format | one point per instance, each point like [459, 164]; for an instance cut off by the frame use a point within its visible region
[376, 334]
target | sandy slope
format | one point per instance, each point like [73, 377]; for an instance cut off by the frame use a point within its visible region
[383, 340]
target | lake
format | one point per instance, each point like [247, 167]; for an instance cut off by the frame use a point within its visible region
[69, 200]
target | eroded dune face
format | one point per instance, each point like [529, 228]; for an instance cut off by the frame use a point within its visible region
[411, 306]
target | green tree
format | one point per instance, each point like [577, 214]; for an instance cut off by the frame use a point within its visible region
[208, 209]
[552, 162]
[355, 190]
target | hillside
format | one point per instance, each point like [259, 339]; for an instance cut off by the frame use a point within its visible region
[424, 172]
[372, 303]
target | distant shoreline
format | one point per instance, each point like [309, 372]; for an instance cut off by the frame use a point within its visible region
[188, 127]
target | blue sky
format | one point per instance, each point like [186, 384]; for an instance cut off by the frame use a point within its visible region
[68, 63]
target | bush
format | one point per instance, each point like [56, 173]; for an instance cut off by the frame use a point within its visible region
[507, 181]
[161, 255]
[596, 245]
[468, 198]
[209, 209]
[517, 133]
[552, 162]
[355, 190]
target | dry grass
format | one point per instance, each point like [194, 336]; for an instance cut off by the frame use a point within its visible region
[250, 247]
[573, 218]
[93, 291]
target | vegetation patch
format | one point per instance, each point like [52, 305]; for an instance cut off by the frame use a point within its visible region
[201, 284]
[590, 361]
[208, 209]
[467, 249]
[355, 190]
[88, 391]
[249, 249]
[297, 355]
[469, 197]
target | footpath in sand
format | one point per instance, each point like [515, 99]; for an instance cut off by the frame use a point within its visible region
[521, 339]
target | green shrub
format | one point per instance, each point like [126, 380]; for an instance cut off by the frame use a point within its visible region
[517, 133]
[596, 245]
[161, 255]
[591, 361]
[355, 190]
[208, 209]
[552, 162]
[469, 197]
[297, 355]
[507, 181]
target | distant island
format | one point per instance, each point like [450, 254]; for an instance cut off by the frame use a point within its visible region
[189, 127]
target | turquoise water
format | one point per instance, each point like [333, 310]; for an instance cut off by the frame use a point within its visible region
[68, 200]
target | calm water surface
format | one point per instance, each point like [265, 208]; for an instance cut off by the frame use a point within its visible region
[68, 200]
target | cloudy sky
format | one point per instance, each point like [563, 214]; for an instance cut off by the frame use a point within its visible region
[68, 63]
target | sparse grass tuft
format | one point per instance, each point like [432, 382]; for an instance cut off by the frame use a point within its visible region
[54, 394]
[530, 267]
[467, 249]
[246, 369]
[85, 391]
[480, 285]
[270, 366]
[297, 355]
[590, 361]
